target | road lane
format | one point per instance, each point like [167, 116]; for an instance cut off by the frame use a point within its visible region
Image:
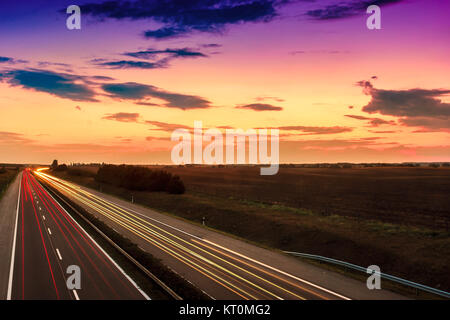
[219, 271]
[48, 242]
[8, 217]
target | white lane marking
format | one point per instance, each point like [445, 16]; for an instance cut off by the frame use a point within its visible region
[49, 231]
[43, 217]
[277, 270]
[105, 253]
[75, 294]
[40, 208]
[13, 253]
[145, 216]
[59, 254]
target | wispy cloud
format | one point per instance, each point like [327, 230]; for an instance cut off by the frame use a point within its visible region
[11, 60]
[13, 138]
[260, 107]
[345, 9]
[373, 122]
[129, 64]
[164, 126]
[172, 53]
[136, 91]
[310, 130]
[122, 117]
[62, 85]
[158, 58]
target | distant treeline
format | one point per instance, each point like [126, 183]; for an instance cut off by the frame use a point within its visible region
[140, 178]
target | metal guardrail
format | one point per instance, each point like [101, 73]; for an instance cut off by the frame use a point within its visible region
[383, 275]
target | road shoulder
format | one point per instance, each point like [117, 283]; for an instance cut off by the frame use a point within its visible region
[8, 210]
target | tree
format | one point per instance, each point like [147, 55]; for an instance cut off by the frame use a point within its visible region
[54, 164]
[176, 186]
[61, 167]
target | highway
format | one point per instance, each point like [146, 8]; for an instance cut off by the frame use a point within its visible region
[224, 268]
[46, 242]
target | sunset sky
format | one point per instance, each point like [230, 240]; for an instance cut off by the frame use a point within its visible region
[116, 89]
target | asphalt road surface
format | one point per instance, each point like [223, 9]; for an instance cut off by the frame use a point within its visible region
[8, 212]
[223, 267]
[48, 241]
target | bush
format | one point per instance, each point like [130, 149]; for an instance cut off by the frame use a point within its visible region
[139, 179]
[79, 172]
[176, 186]
[61, 167]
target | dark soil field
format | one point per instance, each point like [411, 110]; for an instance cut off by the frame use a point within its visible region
[396, 218]
[412, 196]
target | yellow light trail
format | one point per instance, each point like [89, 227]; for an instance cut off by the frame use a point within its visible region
[134, 224]
[168, 250]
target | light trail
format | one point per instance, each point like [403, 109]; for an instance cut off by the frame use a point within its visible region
[193, 253]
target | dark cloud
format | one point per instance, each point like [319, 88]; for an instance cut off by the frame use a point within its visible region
[413, 107]
[427, 123]
[211, 45]
[11, 60]
[129, 90]
[62, 85]
[166, 32]
[373, 122]
[136, 91]
[101, 78]
[357, 117]
[260, 107]
[159, 58]
[144, 103]
[122, 117]
[168, 127]
[172, 53]
[5, 59]
[127, 64]
[183, 17]
[347, 9]
[44, 64]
